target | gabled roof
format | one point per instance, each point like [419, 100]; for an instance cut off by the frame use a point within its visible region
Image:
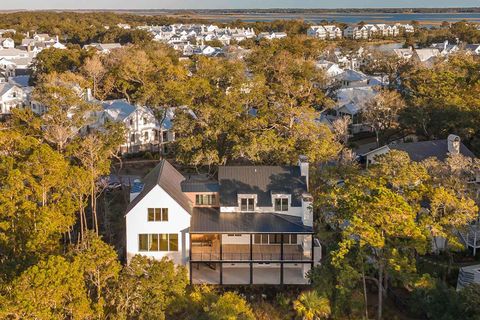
[5, 87]
[352, 75]
[260, 180]
[118, 110]
[426, 54]
[419, 151]
[205, 220]
[169, 179]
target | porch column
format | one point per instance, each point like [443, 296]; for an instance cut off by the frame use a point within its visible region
[281, 258]
[221, 247]
[190, 257]
[221, 258]
[311, 257]
[251, 258]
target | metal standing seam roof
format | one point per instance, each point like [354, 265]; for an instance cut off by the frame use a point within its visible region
[260, 180]
[419, 151]
[169, 179]
[210, 220]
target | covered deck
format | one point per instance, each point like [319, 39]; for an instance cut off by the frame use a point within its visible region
[249, 248]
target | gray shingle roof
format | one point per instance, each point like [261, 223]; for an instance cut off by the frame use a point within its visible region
[260, 180]
[205, 220]
[169, 179]
[419, 151]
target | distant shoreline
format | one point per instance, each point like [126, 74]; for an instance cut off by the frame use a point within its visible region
[449, 10]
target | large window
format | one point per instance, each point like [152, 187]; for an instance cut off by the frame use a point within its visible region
[281, 204]
[247, 204]
[157, 214]
[274, 238]
[205, 199]
[158, 242]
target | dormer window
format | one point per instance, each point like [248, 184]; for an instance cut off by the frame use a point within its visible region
[247, 204]
[281, 204]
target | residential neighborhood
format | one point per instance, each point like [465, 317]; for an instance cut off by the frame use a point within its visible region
[239, 164]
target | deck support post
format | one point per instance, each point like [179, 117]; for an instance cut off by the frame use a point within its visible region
[475, 243]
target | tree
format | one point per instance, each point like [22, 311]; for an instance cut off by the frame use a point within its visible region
[442, 100]
[67, 110]
[382, 111]
[52, 289]
[93, 153]
[379, 209]
[38, 206]
[310, 305]
[230, 306]
[94, 70]
[100, 266]
[53, 60]
[146, 289]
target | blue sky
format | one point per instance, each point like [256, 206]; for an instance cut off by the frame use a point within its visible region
[225, 4]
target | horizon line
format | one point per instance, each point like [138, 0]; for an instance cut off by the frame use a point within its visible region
[228, 9]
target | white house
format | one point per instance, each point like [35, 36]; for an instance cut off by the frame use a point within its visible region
[317, 32]
[143, 130]
[473, 48]
[11, 96]
[249, 225]
[7, 43]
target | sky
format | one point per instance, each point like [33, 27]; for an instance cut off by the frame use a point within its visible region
[228, 4]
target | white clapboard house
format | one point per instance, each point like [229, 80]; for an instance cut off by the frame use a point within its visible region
[248, 225]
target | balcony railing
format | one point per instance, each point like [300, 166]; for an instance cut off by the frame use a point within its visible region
[242, 253]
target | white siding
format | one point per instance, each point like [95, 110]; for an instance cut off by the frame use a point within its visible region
[178, 222]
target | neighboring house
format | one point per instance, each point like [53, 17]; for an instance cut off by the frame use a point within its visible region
[143, 131]
[352, 79]
[332, 70]
[473, 48]
[468, 275]
[104, 48]
[333, 32]
[325, 32]
[419, 151]
[7, 43]
[445, 48]
[426, 57]
[11, 96]
[405, 54]
[317, 32]
[251, 225]
[271, 35]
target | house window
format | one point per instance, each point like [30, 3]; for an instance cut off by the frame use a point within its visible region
[275, 238]
[247, 204]
[145, 135]
[157, 214]
[281, 204]
[131, 122]
[145, 120]
[164, 136]
[205, 199]
[132, 137]
[157, 242]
